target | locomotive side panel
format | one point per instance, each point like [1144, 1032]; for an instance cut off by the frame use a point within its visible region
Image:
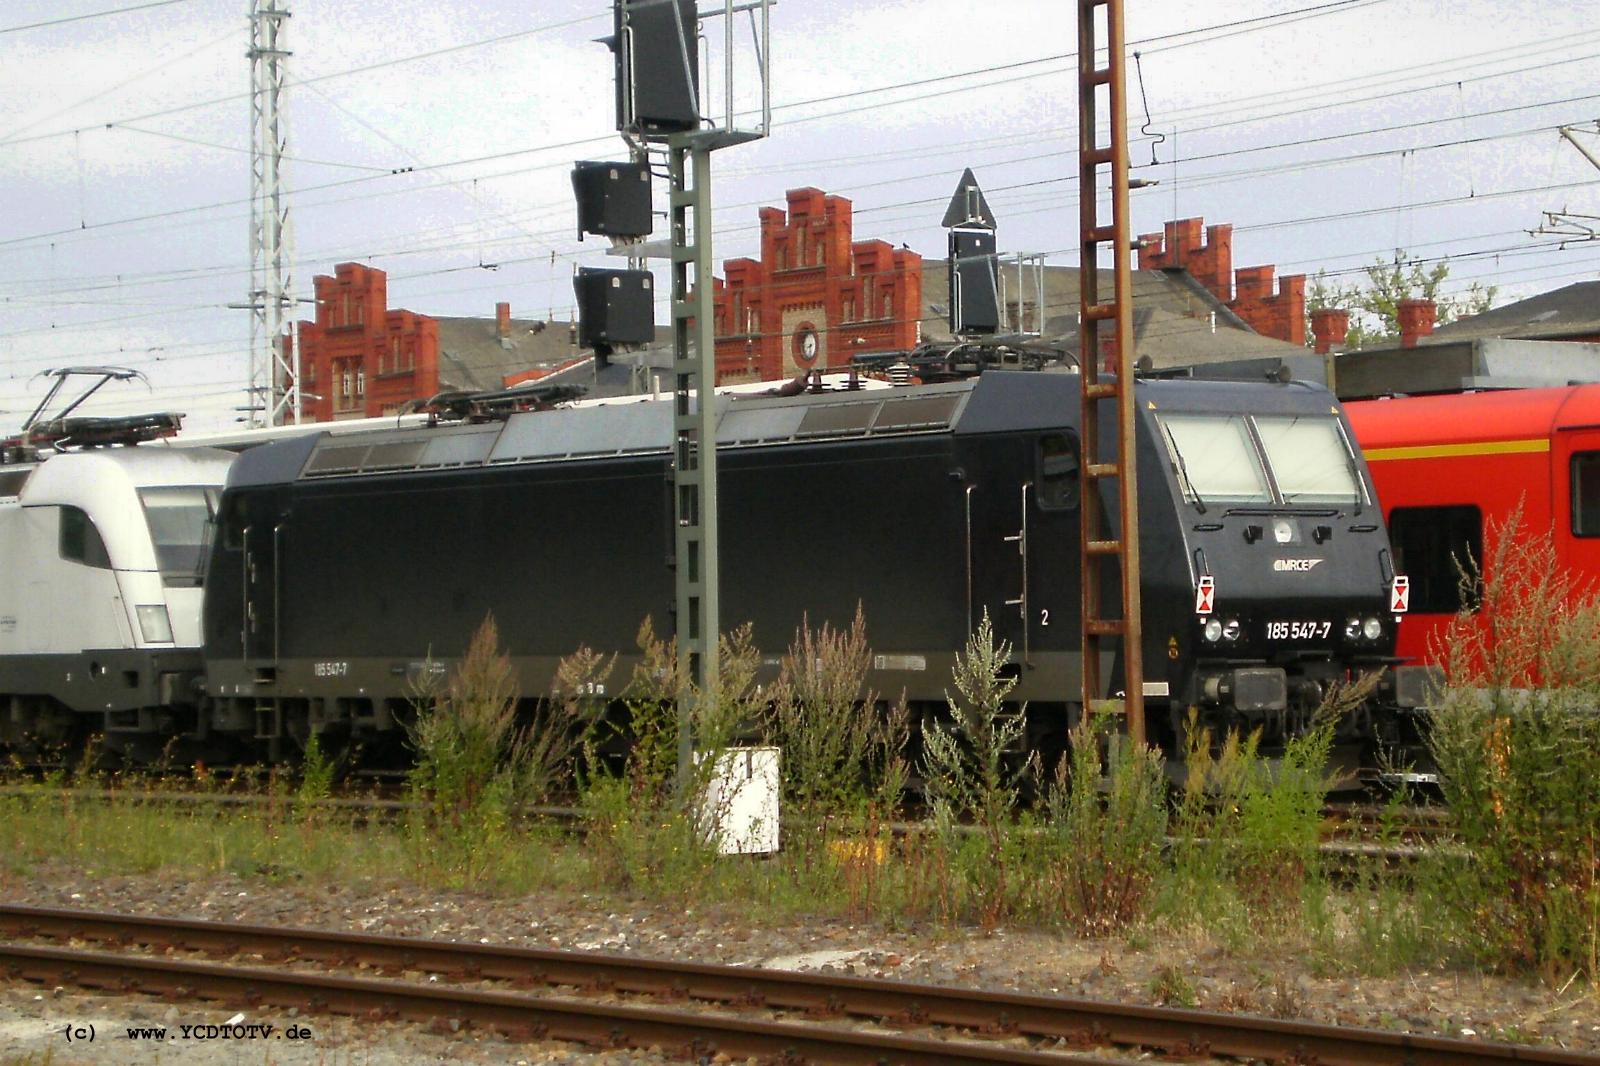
[810, 532]
[410, 566]
[1447, 470]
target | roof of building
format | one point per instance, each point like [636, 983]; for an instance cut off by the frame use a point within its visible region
[1565, 312]
[1184, 340]
[1455, 366]
[474, 358]
[1176, 322]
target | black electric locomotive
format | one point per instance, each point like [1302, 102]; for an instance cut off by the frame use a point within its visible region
[344, 567]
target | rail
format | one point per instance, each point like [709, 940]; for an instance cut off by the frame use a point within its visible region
[1079, 1023]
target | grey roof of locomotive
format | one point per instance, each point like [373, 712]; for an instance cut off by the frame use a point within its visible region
[991, 403]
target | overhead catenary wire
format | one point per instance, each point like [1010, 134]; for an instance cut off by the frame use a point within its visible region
[445, 246]
[1233, 26]
[1506, 251]
[348, 72]
[1240, 227]
[1299, 142]
[163, 215]
[63, 20]
[723, 231]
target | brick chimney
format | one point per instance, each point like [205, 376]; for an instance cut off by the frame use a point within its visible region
[1209, 260]
[1330, 326]
[1280, 314]
[1416, 318]
[502, 317]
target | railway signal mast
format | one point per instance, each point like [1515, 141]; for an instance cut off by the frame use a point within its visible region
[1105, 632]
[663, 108]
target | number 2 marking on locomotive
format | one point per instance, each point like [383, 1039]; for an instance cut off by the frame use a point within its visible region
[1044, 616]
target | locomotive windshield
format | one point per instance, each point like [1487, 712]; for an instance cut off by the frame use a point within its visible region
[1228, 458]
[1215, 459]
[1310, 460]
[181, 519]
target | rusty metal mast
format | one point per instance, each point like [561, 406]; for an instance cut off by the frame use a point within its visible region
[1105, 543]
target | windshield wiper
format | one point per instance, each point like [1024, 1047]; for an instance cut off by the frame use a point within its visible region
[1183, 469]
[1355, 474]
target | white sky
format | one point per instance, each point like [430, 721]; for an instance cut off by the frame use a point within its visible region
[80, 282]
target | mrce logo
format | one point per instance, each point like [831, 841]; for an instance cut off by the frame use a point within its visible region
[1294, 566]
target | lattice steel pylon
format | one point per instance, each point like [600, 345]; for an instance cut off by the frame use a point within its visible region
[1101, 543]
[274, 388]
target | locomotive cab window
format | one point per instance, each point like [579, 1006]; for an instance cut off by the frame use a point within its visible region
[1586, 494]
[1310, 459]
[1431, 545]
[232, 518]
[181, 519]
[81, 541]
[1215, 459]
[1056, 473]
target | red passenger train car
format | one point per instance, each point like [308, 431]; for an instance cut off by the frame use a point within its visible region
[1448, 467]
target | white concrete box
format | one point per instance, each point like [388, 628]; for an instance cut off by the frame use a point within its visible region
[739, 810]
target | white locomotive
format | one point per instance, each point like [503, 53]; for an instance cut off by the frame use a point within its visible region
[100, 594]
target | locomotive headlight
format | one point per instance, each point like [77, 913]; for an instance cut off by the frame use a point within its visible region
[154, 623]
[1372, 629]
[1352, 629]
[1213, 630]
[1231, 629]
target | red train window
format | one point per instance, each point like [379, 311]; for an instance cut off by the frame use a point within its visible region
[1431, 546]
[1586, 494]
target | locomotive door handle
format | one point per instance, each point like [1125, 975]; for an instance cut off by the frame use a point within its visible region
[277, 570]
[1020, 539]
[969, 557]
[244, 587]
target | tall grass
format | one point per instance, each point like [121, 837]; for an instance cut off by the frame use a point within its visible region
[1107, 823]
[1104, 851]
[1516, 738]
[476, 762]
[647, 825]
[843, 759]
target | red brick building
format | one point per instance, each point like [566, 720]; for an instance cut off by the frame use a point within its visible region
[816, 297]
[362, 359]
[1247, 291]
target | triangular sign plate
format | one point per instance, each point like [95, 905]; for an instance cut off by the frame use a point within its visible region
[968, 209]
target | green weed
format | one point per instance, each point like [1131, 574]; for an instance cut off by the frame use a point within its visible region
[1517, 742]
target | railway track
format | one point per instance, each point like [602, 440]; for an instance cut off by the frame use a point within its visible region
[1342, 821]
[692, 1009]
[1368, 820]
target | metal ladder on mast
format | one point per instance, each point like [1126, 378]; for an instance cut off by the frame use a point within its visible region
[1103, 634]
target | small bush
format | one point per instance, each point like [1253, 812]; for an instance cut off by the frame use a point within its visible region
[824, 720]
[1516, 738]
[471, 757]
[1105, 849]
[317, 771]
[1170, 988]
[971, 769]
[1247, 826]
[843, 759]
[646, 828]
